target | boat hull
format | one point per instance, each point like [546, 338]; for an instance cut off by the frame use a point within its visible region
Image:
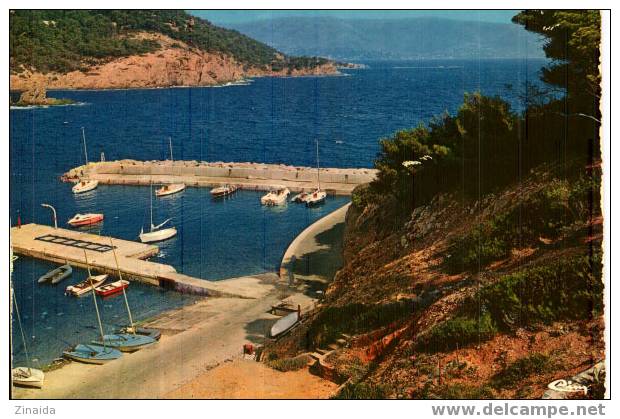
[56, 275]
[28, 377]
[112, 288]
[92, 354]
[92, 219]
[170, 189]
[126, 342]
[152, 333]
[82, 187]
[78, 290]
[284, 324]
[157, 236]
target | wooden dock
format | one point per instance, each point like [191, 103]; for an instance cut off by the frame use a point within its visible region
[67, 246]
[252, 176]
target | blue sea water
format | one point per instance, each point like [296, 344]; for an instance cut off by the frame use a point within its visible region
[272, 120]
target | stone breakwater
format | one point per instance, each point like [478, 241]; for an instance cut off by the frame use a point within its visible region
[251, 176]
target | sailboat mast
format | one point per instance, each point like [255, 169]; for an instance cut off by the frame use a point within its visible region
[120, 276]
[84, 141]
[151, 201]
[318, 171]
[90, 278]
[170, 142]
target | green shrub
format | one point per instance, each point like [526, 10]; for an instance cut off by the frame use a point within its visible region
[361, 391]
[567, 289]
[459, 331]
[355, 318]
[289, 364]
[522, 368]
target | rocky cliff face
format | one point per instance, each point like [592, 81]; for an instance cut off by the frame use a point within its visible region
[175, 64]
[396, 289]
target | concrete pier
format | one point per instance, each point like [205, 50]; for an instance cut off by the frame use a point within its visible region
[67, 246]
[252, 176]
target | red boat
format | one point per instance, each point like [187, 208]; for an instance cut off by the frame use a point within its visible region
[85, 219]
[112, 288]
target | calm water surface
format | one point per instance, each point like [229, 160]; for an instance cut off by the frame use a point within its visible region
[271, 120]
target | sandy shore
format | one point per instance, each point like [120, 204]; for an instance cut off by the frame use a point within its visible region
[197, 340]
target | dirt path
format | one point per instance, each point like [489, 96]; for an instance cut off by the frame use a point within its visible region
[243, 379]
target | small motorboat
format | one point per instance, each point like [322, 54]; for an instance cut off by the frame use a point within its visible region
[223, 191]
[300, 197]
[284, 324]
[170, 189]
[316, 198]
[92, 354]
[56, 275]
[85, 186]
[153, 333]
[85, 219]
[126, 342]
[86, 285]
[112, 288]
[28, 377]
[276, 196]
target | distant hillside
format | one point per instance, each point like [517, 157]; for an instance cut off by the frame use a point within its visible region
[65, 40]
[413, 38]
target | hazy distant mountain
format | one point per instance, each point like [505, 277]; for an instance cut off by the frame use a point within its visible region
[412, 38]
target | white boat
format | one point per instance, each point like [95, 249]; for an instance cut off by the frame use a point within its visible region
[170, 189]
[173, 187]
[86, 285]
[316, 198]
[28, 377]
[22, 376]
[276, 196]
[156, 233]
[284, 324]
[223, 191]
[85, 186]
[79, 220]
[300, 198]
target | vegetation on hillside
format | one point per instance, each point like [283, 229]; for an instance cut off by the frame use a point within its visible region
[66, 40]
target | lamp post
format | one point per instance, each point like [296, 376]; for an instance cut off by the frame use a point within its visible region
[53, 213]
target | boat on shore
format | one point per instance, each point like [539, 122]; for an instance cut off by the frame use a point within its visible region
[56, 275]
[111, 288]
[86, 285]
[146, 331]
[125, 342]
[223, 191]
[92, 354]
[170, 189]
[284, 324]
[276, 196]
[85, 219]
[22, 376]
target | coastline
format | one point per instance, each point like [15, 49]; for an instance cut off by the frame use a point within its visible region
[212, 332]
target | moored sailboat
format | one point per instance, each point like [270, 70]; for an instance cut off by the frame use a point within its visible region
[318, 196]
[84, 185]
[92, 354]
[22, 376]
[156, 233]
[173, 187]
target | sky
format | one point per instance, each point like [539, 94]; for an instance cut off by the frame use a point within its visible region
[223, 17]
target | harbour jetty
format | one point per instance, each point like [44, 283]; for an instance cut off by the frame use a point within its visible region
[250, 176]
[67, 246]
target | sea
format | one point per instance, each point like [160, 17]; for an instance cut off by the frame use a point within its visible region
[270, 120]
